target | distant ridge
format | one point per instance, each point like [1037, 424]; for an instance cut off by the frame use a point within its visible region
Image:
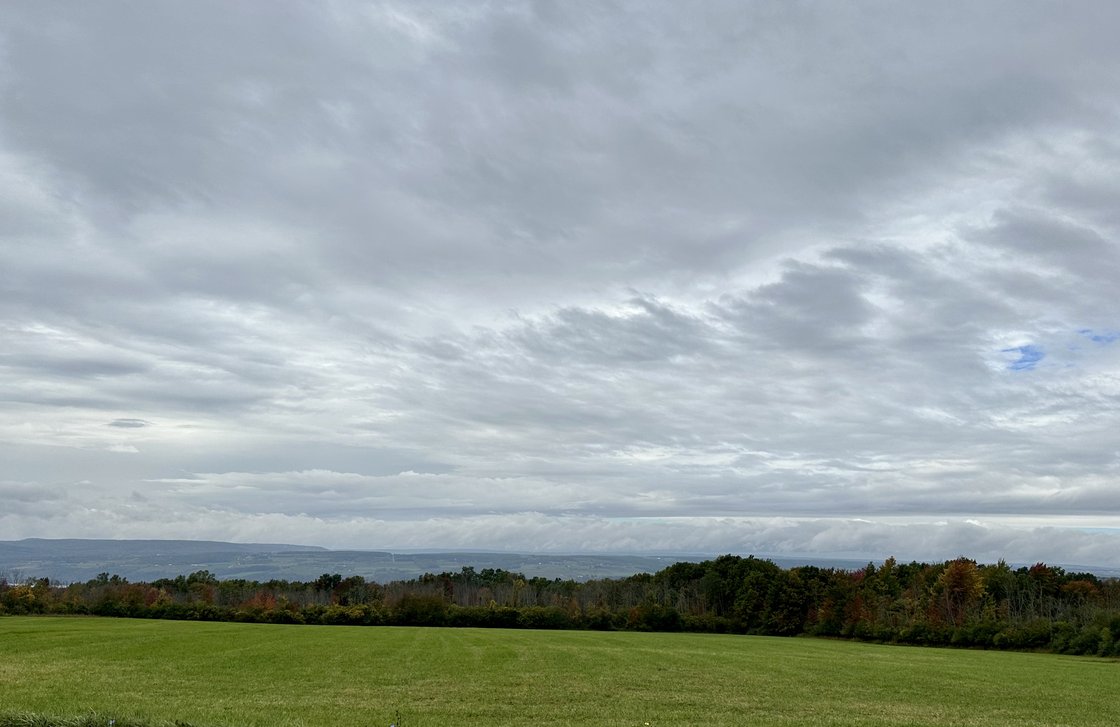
[73, 560]
[86, 546]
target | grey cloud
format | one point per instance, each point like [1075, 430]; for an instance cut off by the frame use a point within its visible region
[588, 272]
[127, 423]
[811, 308]
[649, 331]
[1059, 245]
[71, 367]
[525, 142]
[29, 500]
[27, 492]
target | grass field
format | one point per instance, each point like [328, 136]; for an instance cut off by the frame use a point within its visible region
[323, 676]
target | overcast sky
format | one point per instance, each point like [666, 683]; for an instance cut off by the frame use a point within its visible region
[755, 277]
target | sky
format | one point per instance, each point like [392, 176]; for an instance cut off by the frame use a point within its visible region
[830, 279]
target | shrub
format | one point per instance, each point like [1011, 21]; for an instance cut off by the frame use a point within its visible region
[975, 634]
[417, 610]
[599, 619]
[708, 624]
[1087, 641]
[543, 617]
[1031, 635]
[654, 617]
[283, 616]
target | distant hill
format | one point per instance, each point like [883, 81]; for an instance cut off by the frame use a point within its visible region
[75, 560]
[128, 548]
[145, 560]
[72, 560]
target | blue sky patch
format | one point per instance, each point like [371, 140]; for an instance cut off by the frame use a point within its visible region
[1102, 337]
[1029, 356]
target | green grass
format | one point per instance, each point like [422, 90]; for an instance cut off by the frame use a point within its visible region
[29, 719]
[254, 675]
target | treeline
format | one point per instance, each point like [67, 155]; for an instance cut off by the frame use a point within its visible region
[956, 603]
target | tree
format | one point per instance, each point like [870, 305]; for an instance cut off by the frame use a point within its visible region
[961, 586]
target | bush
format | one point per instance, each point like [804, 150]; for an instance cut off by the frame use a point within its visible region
[599, 619]
[505, 617]
[923, 633]
[654, 617]
[416, 610]
[975, 634]
[543, 617]
[1087, 641]
[708, 624]
[358, 615]
[1031, 635]
[1062, 634]
[283, 616]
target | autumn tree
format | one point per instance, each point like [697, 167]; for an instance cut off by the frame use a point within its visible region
[960, 587]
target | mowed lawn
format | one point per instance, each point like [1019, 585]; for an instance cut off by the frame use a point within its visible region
[326, 676]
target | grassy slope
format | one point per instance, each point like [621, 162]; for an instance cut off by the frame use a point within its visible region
[248, 674]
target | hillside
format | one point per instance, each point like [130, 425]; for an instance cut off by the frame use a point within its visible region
[145, 560]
